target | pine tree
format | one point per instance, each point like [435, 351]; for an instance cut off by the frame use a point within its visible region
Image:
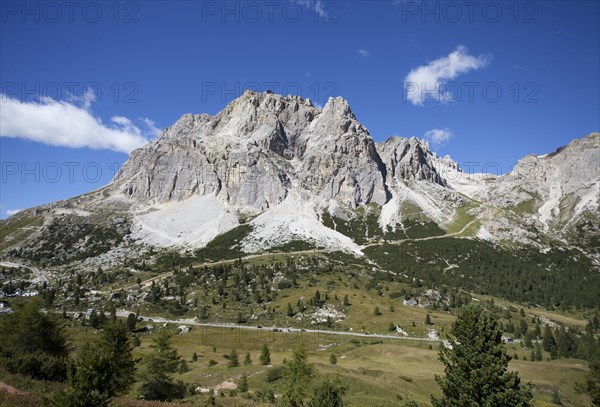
[522, 327]
[33, 343]
[247, 359]
[297, 378]
[290, 310]
[428, 319]
[161, 363]
[102, 318]
[538, 354]
[243, 386]
[93, 319]
[548, 342]
[265, 355]
[528, 342]
[131, 322]
[476, 366]
[332, 359]
[346, 302]
[233, 359]
[592, 383]
[376, 311]
[329, 394]
[103, 369]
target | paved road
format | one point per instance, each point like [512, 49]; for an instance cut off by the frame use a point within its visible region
[225, 325]
[41, 278]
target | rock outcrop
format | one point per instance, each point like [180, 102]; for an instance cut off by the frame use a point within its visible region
[252, 152]
[408, 159]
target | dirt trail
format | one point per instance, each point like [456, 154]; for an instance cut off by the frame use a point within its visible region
[422, 238]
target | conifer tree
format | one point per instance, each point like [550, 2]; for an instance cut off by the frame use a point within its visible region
[103, 369]
[297, 378]
[329, 394]
[233, 359]
[548, 342]
[476, 366]
[592, 384]
[161, 363]
[243, 386]
[265, 355]
[247, 359]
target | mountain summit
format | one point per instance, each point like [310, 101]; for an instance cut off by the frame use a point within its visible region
[255, 151]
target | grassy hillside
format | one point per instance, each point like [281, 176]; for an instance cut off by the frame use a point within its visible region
[376, 372]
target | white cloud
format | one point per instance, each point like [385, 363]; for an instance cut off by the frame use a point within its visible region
[59, 123]
[315, 5]
[363, 52]
[11, 212]
[428, 80]
[438, 137]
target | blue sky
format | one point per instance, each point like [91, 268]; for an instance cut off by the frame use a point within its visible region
[118, 72]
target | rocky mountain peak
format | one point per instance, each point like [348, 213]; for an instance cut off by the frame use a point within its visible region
[408, 158]
[251, 153]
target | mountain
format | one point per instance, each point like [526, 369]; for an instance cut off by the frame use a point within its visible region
[273, 172]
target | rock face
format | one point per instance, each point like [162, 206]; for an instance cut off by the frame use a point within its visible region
[408, 159]
[263, 148]
[339, 158]
[251, 153]
[280, 170]
[556, 191]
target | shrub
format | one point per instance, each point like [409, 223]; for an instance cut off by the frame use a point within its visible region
[275, 374]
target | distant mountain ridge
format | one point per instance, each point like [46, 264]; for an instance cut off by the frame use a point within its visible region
[288, 171]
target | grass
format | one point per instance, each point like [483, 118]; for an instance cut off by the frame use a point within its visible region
[225, 246]
[461, 218]
[19, 228]
[385, 373]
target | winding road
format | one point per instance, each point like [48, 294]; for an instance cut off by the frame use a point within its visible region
[40, 277]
